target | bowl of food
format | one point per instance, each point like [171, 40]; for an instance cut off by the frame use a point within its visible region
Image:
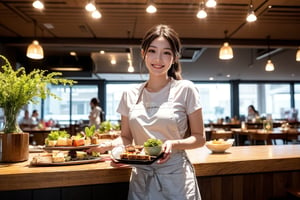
[152, 147]
[219, 146]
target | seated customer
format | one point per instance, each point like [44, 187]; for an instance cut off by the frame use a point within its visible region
[35, 118]
[26, 120]
[253, 114]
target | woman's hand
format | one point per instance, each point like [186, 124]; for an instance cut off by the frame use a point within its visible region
[167, 149]
[102, 148]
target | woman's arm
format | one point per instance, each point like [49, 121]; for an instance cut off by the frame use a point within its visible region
[196, 139]
[124, 139]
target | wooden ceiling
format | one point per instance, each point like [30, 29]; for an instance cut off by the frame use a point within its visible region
[65, 26]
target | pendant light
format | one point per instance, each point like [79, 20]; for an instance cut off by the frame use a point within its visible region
[201, 13]
[226, 52]
[269, 66]
[90, 6]
[129, 60]
[35, 50]
[298, 55]
[251, 17]
[38, 4]
[151, 7]
[211, 3]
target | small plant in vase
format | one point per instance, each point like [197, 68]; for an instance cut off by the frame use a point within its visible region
[17, 89]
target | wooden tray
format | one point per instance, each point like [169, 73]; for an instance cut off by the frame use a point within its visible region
[139, 162]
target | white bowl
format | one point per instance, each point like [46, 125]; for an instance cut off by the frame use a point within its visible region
[220, 147]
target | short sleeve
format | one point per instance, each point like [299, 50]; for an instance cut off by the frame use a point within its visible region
[123, 107]
[192, 97]
[128, 99]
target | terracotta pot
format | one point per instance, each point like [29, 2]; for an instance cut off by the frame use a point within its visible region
[15, 147]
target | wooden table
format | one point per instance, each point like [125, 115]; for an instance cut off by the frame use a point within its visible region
[264, 170]
[217, 133]
[247, 172]
[266, 136]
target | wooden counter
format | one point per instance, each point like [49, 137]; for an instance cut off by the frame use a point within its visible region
[236, 161]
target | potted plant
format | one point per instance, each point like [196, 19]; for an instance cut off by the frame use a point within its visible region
[17, 89]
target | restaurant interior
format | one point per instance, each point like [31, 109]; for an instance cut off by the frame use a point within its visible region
[83, 48]
[100, 50]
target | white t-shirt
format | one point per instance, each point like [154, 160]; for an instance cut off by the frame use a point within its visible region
[95, 114]
[186, 100]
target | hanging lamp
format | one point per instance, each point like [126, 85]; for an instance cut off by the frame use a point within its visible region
[38, 4]
[151, 7]
[251, 17]
[35, 50]
[211, 3]
[225, 52]
[269, 66]
[201, 12]
[298, 55]
[90, 6]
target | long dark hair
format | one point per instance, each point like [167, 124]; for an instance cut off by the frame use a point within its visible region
[169, 34]
[95, 101]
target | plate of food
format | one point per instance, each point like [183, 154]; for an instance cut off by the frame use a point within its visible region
[137, 154]
[61, 140]
[60, 158]
[70, 147]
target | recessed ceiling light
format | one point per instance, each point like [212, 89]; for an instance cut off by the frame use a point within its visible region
[73, 53]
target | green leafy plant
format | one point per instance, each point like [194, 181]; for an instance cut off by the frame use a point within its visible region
[90, 131]
[18, 88]
[152, 142]
[54, 135]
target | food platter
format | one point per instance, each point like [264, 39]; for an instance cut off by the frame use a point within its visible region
[117, 151]
[72, 162]
[70, 147]
[139, 162]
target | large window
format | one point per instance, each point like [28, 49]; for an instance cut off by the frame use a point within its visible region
[79, 102]
[113, 96]
[215, 99]
[297, 101]
[72, 108]
[214, 107]
[268, 99]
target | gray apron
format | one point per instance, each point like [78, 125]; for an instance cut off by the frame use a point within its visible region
[175, 179]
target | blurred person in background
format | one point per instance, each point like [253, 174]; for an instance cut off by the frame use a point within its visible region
[95, 114]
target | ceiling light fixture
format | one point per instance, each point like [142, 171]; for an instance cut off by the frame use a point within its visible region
[130, 67]
[38, 4]
[298, 55]
[251, 17]
[96, 14]
[35, 50]
[201, 13]
[66, 68]
[90, 6]
[226, 52]
[151, 7]
[269, 66]
[113, 60]
[211, 3]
